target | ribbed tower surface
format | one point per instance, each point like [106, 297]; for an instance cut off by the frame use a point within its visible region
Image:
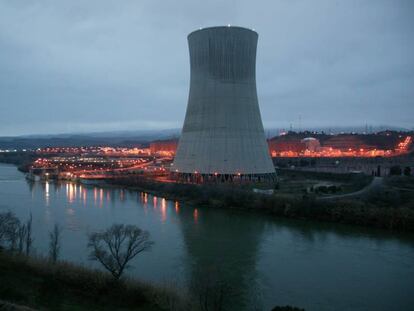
[223, 131]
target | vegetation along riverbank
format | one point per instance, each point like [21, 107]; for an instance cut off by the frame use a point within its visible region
[300, 195]
[386, 206]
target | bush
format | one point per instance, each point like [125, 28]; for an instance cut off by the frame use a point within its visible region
[287, 308]
[395, 170]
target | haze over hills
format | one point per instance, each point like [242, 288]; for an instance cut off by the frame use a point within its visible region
[122, 138]
[139, 137]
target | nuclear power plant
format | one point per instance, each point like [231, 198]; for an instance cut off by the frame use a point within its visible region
[223, 137]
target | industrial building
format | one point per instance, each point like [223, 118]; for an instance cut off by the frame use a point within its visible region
[223, 137]
[164, 147]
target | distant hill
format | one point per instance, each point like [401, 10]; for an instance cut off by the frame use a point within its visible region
[143, 137]
[121, 138]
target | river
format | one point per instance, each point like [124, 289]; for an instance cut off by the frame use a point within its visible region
[265, 261]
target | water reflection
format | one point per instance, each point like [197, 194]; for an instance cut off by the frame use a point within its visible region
[47, 199]
[95, 195]
[163, 210]
[154, 202]
[217, 256]
[195, 215]
[282, 260]
[101, 197]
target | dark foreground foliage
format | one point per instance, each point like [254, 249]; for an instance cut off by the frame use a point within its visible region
[7, 306]
[287, 308]
[34, 283]
[63, 286]
[385, 209]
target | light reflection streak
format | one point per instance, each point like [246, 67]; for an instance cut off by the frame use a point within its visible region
[195, 215]
[177, 207]
[100, 197]
[95, 195]
[163, 210]
[47, 195]
[84, 196]
[144, 201]
[71, 193]
[155, 202]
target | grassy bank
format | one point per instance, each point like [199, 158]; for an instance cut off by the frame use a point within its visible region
[386, 209]
[38, 284]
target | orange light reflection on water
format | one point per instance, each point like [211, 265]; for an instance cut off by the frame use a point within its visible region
[71, 193]
[163, 210]
[155, 202]
[100, 197]
[195, 215]
[95, 195]
[47, 195]
[84, 194]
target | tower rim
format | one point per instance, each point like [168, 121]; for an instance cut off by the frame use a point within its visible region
[221, 27]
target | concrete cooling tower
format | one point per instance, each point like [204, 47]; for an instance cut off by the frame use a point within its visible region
[223, 137]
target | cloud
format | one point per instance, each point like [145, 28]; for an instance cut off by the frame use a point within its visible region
[71, 65]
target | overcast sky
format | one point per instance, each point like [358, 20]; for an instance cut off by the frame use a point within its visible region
[80, 66]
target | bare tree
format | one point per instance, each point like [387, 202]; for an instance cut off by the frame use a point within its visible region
[211, 291]
[6, 220]
[117, 246]
[54, 243]
[21, 237]
[14, 235]
[9, 229]
[29, 240]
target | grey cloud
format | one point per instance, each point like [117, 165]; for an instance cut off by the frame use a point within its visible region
[103, 65]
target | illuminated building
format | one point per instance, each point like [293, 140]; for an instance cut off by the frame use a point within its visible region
[382, 144]
[167, 147]
[223, 136]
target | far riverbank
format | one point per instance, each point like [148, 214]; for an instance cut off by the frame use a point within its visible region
[377, 210]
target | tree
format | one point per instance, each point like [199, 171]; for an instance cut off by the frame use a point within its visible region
[211, 291]
[21, 237]
[395, 170]
[115, 247]
[13, 234]
[29, 240]
[9, 230]
[54, 243]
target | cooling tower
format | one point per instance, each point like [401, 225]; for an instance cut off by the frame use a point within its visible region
[223, 134]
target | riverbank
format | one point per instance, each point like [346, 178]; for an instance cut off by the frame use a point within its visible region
[28, 283]
[22, 160]
[38, 284]
[383, 208]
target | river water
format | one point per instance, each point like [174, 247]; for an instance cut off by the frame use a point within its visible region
[265, 261]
